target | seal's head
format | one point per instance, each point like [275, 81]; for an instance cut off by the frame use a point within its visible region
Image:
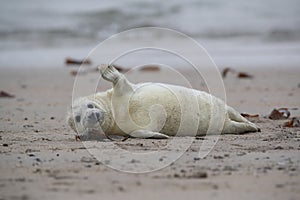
[86, 117]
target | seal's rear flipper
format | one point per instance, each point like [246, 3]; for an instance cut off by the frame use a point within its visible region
[110, 73]
[148, 134]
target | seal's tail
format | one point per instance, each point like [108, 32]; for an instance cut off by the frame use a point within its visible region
[110, 73]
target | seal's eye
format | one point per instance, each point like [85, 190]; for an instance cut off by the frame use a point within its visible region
[90, 105]
[77, 118]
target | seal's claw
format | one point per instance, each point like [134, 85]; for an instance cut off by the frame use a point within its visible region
[102, 68]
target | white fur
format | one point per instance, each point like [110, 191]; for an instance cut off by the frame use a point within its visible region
[158, 109]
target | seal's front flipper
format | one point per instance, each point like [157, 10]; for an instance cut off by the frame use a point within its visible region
[110, 73]
[148, 134]
[120, 83]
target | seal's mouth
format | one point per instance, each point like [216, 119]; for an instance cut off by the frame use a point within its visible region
[92, 134]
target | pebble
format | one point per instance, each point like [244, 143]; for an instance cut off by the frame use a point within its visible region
[218, 157]
[120, 188]
[278, 148]
[134, 161]
[5, 145]
[229, 168]
[280, 168]
[86, 159]
[27, 126]
[140, 144]
[241, 154]
[279, 185]
[138, 183]
[200, 175]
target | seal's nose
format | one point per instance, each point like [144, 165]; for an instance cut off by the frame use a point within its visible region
[97, 115]
[94, 115]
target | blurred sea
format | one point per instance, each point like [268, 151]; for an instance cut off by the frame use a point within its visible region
[54, 28]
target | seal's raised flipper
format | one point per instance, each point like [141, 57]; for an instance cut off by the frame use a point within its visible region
[148, 134]
[110, 73]
[120, 83]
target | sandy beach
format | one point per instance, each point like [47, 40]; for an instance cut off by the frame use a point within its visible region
[257, 40]
[40, 158]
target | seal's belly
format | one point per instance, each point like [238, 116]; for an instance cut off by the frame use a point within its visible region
[168, 109]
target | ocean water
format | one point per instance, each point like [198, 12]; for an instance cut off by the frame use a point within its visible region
[53, 29]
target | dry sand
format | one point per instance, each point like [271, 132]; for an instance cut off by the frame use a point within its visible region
[40, 158]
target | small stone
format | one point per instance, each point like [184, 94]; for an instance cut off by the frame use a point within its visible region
[31, 155]
[28, 150]
[279, 185]
[200, 175]
[134, 161]
[293, 169]
[5, 145]
[86, 159]
[215, 187]
[218, 157]
[138, 183]
[229, 168]
[196, 158]
[176, 175]
[37, 171]
[27, 126]
[120, 188]
[25, 118]
[57, 154]
[278, 148]
[52, 118]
